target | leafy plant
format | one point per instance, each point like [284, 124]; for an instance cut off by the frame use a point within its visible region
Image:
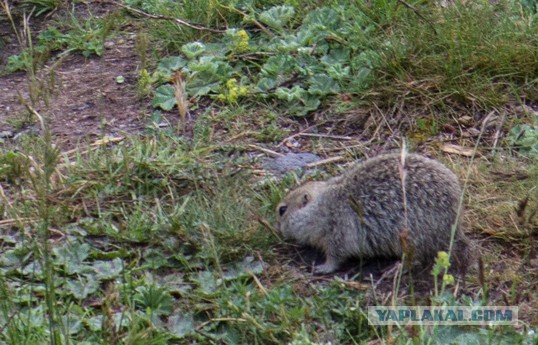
[303, 57]
[298, 63]
[40, 7]
[525, 138]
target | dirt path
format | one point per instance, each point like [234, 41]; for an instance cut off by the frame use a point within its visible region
[84, 99]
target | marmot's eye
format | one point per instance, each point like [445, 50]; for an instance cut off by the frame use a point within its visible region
[282, 210]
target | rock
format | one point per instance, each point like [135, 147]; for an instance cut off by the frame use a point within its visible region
[6, 134]
[289, 162]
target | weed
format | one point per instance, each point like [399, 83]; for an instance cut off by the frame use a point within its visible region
[39, 7]
[436, 55]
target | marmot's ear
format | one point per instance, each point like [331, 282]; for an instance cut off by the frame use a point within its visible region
[306, 199]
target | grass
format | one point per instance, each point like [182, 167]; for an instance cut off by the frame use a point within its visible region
[164, 239]
[389, 54]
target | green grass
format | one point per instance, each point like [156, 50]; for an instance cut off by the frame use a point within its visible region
[377, 52]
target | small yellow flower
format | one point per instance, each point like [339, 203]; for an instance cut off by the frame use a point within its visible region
[232, 92]
[448, 279]
[442, 259]
[242, 42]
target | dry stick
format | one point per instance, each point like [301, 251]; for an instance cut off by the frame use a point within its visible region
[325, 161]
[297, 134]
[267, 151]
[160, 17]
[220, 319]
[342, 148]
[381, 124]
[245, 15]
[7, 222]
[100, 142]
[259, 283]
[498, 132]
[327, 136]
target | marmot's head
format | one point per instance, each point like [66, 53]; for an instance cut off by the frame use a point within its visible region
[297, 210]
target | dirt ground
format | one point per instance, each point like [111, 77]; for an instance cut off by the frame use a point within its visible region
[84, 99]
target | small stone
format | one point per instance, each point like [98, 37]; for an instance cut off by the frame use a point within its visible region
[6, 134]
[289, 162]
[109, 45]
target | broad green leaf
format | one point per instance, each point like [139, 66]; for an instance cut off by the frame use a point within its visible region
[175, 284]
[202, 90]
[193, 50]
[155, 298]
[206, 281]
[295, 93]
[338, 72]
[324, 19]
[209, 69]
[72, 256]
[181, 324]
[311, 103]
[338, 55]
[10, 258]
[278, 65]
[322, 85]
[363, 74]
[108, 269]
[278, 16]
[172, 63]
[525, 138]
[265, 84]
[154, 259]
[165, 97]
[82, 288]
[71, 323]
[33, 268]
[243, 269]
[95, 323]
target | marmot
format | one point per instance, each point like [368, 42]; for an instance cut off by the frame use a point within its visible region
[363, 212]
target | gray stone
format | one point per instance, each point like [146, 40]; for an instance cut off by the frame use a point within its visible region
[289, 162]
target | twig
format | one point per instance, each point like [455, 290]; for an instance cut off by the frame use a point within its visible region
[342, 148]
[259, 283]
[267, 151]
[325, 161]
[161, 17]
[221, 319]
[297, 134]
[264, 223]
[328, 136]
[245, 15]
[6, 222]
[498, 132]
[100, 142]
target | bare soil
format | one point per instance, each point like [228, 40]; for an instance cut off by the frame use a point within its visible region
[84, 100]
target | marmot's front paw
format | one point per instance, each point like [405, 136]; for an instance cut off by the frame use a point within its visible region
[328, 267]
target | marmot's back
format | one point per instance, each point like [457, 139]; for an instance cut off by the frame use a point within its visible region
[432, 198]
